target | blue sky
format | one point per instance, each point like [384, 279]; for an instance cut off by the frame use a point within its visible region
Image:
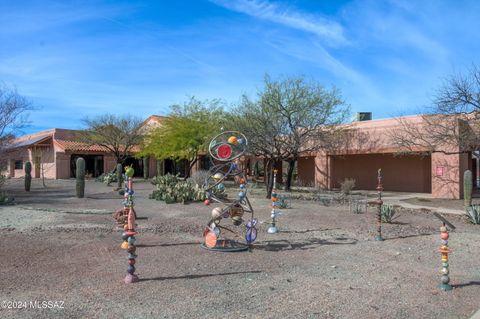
[81, 58]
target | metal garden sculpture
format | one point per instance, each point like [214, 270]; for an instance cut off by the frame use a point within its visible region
[275, 212]
[225, 149]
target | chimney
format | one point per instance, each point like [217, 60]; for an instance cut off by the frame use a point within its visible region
[363, 116]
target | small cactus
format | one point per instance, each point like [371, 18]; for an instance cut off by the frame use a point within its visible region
[119, 176]
[28, 176]
[80, 174]
[145, 167]
[467, 188]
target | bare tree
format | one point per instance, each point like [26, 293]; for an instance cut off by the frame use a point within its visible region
[119, 134]
[45, 162]
[452, 125]
[13, 109]
[13, 117]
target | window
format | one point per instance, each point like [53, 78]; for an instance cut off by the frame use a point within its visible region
[18, 164]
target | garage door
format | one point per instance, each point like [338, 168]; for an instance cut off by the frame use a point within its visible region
[406, 173]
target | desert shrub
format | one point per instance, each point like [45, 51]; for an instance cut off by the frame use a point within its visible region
[389, 214]
[283, 203]
[107, 178]
[347, 186]
[199, 177]
[4, 199]
[473, 214]
[301, 183]
[3, 179]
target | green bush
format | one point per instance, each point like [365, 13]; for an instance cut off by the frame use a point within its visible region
[473, 213]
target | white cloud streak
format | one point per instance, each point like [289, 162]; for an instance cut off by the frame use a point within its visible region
[289, 17]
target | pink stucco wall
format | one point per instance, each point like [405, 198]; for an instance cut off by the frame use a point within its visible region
[374, 137]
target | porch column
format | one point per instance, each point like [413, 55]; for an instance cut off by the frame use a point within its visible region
[478, 169]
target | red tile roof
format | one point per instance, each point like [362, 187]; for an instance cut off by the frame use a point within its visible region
[74, 146]
[79, 146]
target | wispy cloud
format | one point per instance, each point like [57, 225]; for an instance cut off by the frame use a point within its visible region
[286, 16]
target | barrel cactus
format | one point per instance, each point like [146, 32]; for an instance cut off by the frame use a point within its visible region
[119, 176]
[467, 188]
[145, 167]
[28, 176]
[80, 174]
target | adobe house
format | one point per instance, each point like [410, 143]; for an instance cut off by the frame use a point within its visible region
[436, 173]
[53, 154]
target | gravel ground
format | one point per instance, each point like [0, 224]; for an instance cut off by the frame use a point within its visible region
[438, 202]
[323, 263]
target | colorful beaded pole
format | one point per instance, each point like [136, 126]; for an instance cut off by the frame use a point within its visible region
[273, 228]
[379, 203]
[445, 284]
[129, 233]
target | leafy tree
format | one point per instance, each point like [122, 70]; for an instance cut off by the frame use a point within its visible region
[119, 134]
[185, 132]
[291, 116]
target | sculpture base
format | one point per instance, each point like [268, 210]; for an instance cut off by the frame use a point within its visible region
[227, 246]
[445, 287]
[272, 230]
[130, 279]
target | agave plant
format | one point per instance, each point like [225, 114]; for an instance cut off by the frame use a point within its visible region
[389, 214]
[473, 213]
[356, 207]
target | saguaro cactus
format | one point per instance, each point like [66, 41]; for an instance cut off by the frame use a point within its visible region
[145, 167]
[80, 174]
[119, 176]
[28, 176]
[467, 188]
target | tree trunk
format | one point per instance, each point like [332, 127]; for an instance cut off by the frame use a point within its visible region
[291, 168]
[190, 166]
[43, 175]
[269, 177]
[160, 167]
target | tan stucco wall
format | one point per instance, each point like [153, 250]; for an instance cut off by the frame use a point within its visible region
[47, 158]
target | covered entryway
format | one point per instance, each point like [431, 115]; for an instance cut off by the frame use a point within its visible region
[405, 173]
[93, 164]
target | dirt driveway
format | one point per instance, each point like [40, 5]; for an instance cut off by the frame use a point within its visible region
[323, 263]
